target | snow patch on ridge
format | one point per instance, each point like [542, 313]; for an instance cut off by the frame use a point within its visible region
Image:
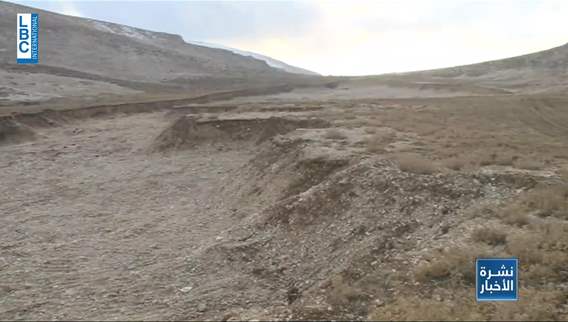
[269, 61]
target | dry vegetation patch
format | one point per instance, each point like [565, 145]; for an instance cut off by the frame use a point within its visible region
[515, 215]
[379, 140]
[533, 305]
[456, 266]
[447, 278]
[341, 293]
[548, 201]
[497, 158]
[415, 163]
[456, 163]
[489, 235]
[420, 308]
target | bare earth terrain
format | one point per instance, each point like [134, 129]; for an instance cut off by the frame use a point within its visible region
[146, 178]
[298, 205]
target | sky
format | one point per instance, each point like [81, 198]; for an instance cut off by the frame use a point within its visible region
[356, 37]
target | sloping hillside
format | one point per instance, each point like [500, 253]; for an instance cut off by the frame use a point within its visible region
[552, 61]
[269, 60]
[93, 62]
[544, 71]
[123, 52]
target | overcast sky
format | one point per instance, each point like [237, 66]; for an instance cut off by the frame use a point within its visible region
[349, 37]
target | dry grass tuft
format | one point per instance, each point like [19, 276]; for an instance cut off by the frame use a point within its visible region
[490, 236]
[515, 215]
[418, 308]
[533, 305]
[455, 266]
[502, 159]
[341, 293]
[378, 142]
[456, 163]
[548, 201]
[414, 163]
[544, 252]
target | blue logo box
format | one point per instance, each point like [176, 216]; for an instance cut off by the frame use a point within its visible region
[497, 279]
[27, 51]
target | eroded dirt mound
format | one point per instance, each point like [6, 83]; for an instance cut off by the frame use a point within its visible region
[191, 131]
[286, 167]
[12, 132]
[354, 225]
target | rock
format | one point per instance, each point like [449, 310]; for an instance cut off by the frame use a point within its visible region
[229, 316]
[186, 289]
[201, 307]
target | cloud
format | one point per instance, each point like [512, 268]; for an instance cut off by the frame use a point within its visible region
[69, 8]
[371, 37]
[64, 7]
[223, 21]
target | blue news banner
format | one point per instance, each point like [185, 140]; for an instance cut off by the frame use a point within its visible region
[497, 279]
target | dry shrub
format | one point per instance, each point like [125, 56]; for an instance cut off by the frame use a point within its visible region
[522, 245]
[455, 265]
[490, 236]
[417, 308]
[515, 215]
[533, 305]
[375, 145]
[378, 142]
[543, 252]
[335, 134]
[548, 201]
[341, 293]
[414, 163]
[502, 159]
[456, 163]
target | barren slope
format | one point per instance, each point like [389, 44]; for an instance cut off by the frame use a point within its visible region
[84, 58]
[122, 52]
[541, 72]
[284, 209]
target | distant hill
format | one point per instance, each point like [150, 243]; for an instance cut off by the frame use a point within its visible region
[123, 52]
[541, 72]
[270, 61]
